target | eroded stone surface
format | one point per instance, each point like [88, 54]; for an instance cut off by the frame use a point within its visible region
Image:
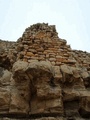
[42, 78]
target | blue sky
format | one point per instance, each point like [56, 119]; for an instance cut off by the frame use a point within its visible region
[71, 17]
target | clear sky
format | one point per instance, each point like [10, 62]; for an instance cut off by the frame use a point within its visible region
[71, 17]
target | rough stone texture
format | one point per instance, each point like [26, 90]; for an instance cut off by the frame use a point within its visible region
[42, 78]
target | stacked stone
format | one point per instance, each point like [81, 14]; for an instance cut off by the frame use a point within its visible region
[82, 58]
[46, 88]
[40, 42]
[6, 46]
[7, 54]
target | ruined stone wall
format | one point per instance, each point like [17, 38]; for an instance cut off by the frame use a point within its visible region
[40, 42]
[42, 78]
[8, 54]
[82, 57]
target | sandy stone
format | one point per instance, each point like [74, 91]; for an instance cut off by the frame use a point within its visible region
[52, 59]
[42, 78]
[29, 54]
